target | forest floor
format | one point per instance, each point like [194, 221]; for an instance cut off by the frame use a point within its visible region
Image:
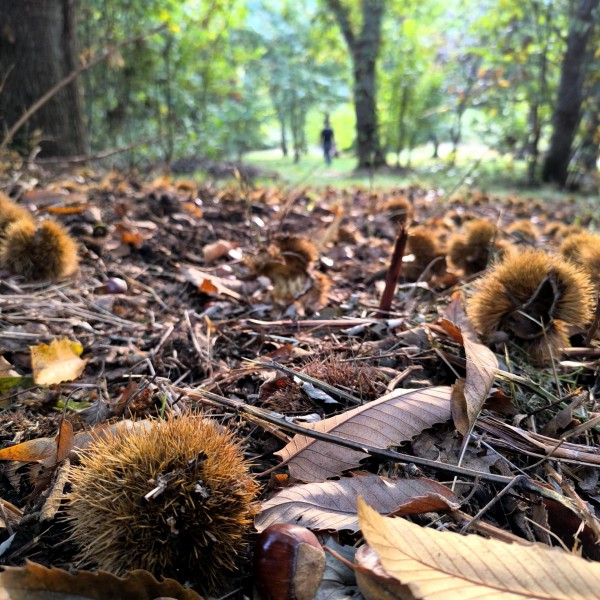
[188, 298]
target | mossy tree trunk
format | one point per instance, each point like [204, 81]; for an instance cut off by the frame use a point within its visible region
[37, 50]
[364, 48]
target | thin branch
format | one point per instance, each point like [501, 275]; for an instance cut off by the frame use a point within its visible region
[98, 156]
[393, 274]
[258, 414]
[342, 15]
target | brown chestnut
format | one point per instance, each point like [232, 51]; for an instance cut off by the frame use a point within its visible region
[288, 563]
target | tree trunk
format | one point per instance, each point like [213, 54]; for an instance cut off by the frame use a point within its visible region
[567, 111]
[404, 97]
[364, 49]
[284, 148]
[37, 50]
[590, 145]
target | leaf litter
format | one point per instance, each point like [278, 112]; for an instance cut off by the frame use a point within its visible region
[187, 293]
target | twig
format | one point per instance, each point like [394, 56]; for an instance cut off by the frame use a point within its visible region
[316, 382]
[488, 529]
[580, 506]
[261, 414]
[98, 156]
[517, 480]
[393, 274]
[308, 323]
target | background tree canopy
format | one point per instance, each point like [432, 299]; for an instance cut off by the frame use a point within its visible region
[224, 77]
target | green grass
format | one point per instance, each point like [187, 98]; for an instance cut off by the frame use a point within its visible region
[474, 167]
[312, 171]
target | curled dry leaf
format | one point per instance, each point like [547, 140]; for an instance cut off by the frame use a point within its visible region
[56, 362]
[374, 583]
[332, 504]
[211, 284]
[35, 581]
[436, 564]
[535, 444]
[467, 400]
[392, 419]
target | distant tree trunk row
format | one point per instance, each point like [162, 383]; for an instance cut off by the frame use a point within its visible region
[37, 50]
[364, 49]
[567, 111]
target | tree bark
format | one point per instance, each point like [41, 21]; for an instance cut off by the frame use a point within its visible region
[590, 144]
[364, 49]
[567, 111]
[37, 50]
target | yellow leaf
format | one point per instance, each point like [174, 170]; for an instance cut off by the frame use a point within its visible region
[57, 361]
[445, 566]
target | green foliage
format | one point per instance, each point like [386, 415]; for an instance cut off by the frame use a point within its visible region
[229, 76]
[297, 67]
[410, 98]
[183, 85]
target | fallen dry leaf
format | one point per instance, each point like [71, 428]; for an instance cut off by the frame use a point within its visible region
[34, 581]
[63, 444]
[64, 440]
[216, 250]
[396, 417]
[31, 450]
[56, 362]
[210, 284]
[374, 583]
[6, 369]
[467, 400]
[445, 565]
[535, 444]
[332, 504]
[71, 209]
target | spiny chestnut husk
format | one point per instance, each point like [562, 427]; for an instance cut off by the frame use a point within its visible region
[523, 231]
[175, 499]
[400, 210]
[533, 298]
[424, 247]
[584, 250]
[11, 212]
[46, 252]
[286, 396]
[471, 251]
[288, 563]
[288, 264]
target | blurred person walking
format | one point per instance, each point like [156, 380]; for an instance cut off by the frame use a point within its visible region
[327, 141]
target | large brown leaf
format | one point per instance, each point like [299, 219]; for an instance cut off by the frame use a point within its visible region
[35, 582]
[395, 418]
[332, 504]
[445, 566]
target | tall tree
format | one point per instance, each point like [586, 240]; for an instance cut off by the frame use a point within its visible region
[567, 111]
[37, 51]
[364, 48]
[299, 67]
